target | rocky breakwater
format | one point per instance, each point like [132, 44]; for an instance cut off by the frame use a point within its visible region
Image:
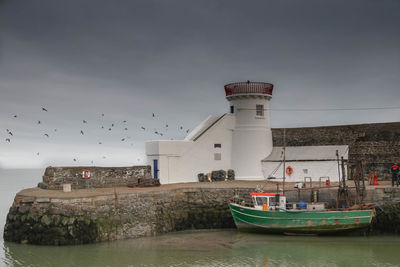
[50, 217]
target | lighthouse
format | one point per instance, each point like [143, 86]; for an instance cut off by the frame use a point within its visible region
[239, 139]
[252, 135]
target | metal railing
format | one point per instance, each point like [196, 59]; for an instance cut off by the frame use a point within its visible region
[248, 88]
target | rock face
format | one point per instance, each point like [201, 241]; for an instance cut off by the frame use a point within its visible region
[376, 144]
[86, 220]
[100, 177]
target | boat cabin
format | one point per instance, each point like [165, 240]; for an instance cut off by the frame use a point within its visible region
[268, 201]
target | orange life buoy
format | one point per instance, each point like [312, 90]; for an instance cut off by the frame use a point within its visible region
[289, 170]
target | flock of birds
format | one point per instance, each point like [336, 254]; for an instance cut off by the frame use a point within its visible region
[10, 134]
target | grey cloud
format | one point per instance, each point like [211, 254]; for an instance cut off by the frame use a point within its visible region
[132, 58]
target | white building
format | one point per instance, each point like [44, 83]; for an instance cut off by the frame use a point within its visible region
[238, 140]
[317, 162]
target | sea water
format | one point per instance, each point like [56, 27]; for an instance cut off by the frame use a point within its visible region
[194, 248]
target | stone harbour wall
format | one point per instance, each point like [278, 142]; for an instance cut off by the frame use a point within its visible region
[100, 177]
[67, 221]
[55, 221]
[376, 144]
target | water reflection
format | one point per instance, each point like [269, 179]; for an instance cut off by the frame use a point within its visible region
[214, 248]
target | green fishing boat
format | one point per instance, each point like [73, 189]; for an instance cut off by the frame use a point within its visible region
[270, 214]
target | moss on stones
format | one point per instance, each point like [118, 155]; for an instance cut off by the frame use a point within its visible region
[50, 229]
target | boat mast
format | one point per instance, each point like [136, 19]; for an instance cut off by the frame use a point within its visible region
[284, 159]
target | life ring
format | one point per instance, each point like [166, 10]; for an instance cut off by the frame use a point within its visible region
[289, 170]
[86, 174]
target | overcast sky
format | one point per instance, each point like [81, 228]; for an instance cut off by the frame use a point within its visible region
[130, 59]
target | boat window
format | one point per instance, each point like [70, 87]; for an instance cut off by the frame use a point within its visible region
[272, 202]
[261, 200]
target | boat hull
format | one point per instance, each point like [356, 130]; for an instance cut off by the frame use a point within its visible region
[299, 222]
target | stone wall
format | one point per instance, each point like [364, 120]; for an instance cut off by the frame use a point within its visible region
[376, 144]
[63, 221]
[55, 177]
[55, 221]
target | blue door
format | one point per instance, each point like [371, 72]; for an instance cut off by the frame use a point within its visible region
[155, 168]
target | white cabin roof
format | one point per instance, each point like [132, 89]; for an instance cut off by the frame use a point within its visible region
[307, 153]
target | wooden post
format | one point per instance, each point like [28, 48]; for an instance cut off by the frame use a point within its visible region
[284, 159]
[343, 173]
[340, 185]
[345, 192]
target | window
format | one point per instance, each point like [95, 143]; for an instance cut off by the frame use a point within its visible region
[261, 200]
[260, 110]
[217, 156]
[217, 145]
[232, 109]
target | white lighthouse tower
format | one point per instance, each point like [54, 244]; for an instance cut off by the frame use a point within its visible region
[252, 136]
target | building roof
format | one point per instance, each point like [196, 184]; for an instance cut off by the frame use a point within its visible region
[202, 127]
[307, 153]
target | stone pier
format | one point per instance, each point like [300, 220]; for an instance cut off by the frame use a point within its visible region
[53, 217]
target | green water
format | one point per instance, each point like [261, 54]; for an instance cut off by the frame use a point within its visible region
[196, 248]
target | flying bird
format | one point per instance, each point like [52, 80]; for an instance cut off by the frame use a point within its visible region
[102, 114]
[46, 135]
[143, 128]
[84, 121]
[124, 121]
[153, 115]
[100, 143]
[123, 139]
[7, 130]
[109, 129]
[81, 132]
[102, 127]
[126, 129]
[161, 134]
[37, 153]
[15, 116]
[187, 131]
[112, 125]
[38, 122]
[44, 109]
[55, 130]
[181, 128]
[10, 133]
[8, 140]
[74, 159]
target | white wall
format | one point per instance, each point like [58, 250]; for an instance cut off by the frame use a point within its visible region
[181, 161]
[252, 136]
[316, 169]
